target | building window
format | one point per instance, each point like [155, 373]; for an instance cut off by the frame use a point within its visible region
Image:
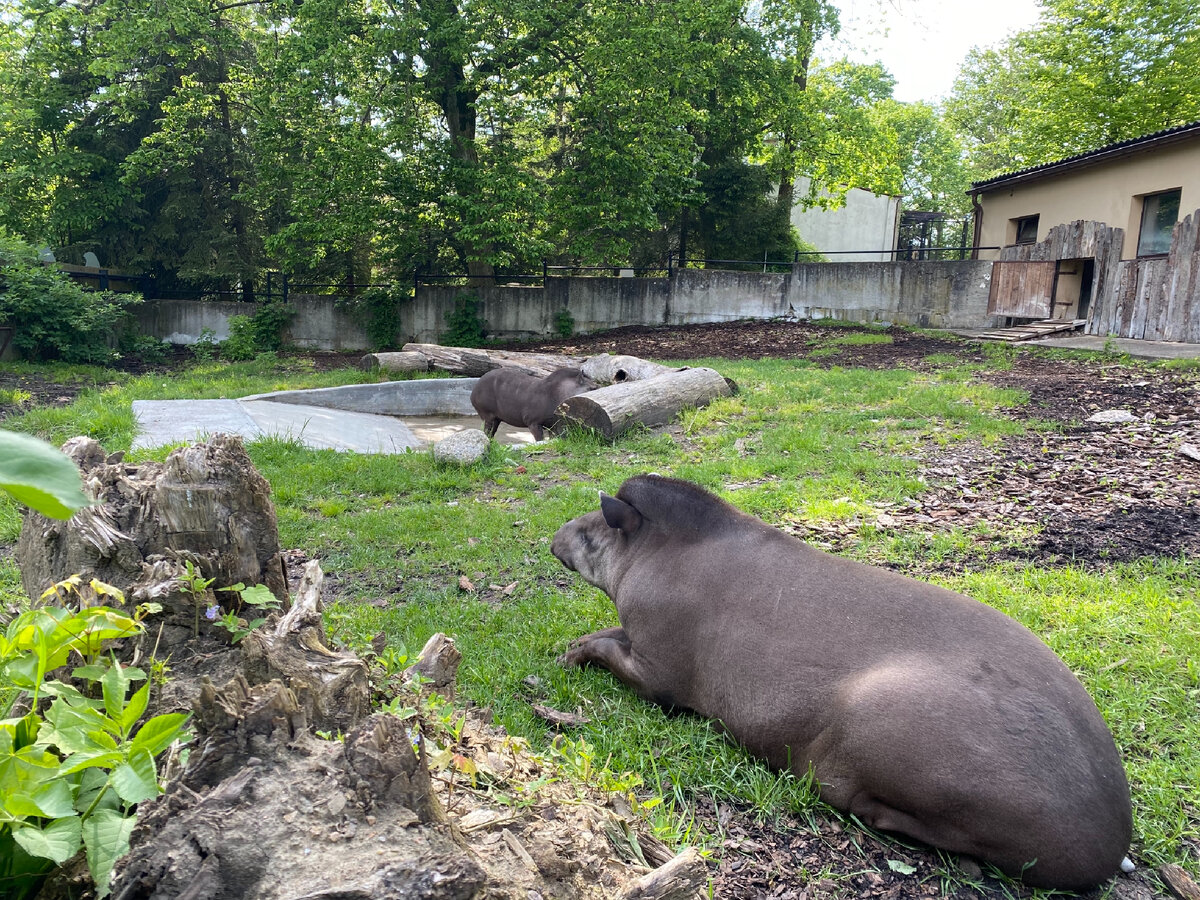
[1026, 230]
[1160, 212]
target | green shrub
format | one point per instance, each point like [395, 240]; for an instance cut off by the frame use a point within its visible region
[240, 345]
[564, 323]
[378, 311]
[464, 327]
[205, 347]
[260, 333]
[54, 317]
[268, 323]
[145, 347]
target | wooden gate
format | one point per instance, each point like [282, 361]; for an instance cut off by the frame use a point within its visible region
[1022, 290]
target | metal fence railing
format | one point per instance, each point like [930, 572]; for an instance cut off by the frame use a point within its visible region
[281, 286]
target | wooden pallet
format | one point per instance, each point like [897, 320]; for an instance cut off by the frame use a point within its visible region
[1032, 330]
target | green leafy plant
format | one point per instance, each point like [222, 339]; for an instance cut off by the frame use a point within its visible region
[250, 336]
[72, 775]
[146, 347]
[53, 317]
[205, 346]
[464, 326]
[267, 325]
[378, 310]
[240, 345]
[194, 583]
[564, 323]
[40, 476]
[257, 597]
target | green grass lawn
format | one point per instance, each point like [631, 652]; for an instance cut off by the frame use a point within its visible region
[797, 440]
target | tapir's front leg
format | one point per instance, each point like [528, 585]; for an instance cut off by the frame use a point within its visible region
[612, 650]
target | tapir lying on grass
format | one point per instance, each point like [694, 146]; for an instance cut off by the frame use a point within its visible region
[518, 398]
[919, 710]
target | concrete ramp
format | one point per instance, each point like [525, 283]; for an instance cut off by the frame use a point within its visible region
[361, 418]
[162, 422]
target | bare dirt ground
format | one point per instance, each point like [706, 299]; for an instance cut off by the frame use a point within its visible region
[1088, 493]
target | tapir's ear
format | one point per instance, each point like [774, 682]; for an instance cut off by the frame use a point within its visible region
[619, 514]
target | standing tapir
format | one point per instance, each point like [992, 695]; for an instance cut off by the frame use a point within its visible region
[518, 398]
[919, 710]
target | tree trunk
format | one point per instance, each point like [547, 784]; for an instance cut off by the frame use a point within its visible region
[615, 409]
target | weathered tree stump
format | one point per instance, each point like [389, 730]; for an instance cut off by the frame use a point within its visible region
[206, 504]
[332, 688]
[613, 410]
[401, 361]
[264, 809]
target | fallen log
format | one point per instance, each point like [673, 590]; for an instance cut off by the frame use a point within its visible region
[473, 362]
[613, 410]
[402, 361]
[608, 369]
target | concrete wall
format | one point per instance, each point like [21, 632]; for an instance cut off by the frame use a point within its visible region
[1109, 191]
[866, 222]
[929, 294]
[318, 323]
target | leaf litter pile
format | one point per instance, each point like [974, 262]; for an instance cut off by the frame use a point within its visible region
[1090, 493]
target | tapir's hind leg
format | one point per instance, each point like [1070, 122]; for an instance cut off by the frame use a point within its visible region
[490, 426]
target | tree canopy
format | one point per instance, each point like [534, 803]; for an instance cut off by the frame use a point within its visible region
[1090, 73]
[205, 141]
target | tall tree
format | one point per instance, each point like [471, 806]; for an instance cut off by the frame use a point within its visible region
[1092, 72]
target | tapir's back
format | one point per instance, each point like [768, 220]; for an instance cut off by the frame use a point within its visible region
[919, 709]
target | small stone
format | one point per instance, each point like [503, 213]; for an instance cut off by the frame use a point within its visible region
[464, 447]
[1113, 416]
[1190, 451]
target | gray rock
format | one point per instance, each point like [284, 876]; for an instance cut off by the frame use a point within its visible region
[1113, 416]
[463, 447]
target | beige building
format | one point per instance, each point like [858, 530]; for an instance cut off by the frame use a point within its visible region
[1108, 237]
[1143, 186]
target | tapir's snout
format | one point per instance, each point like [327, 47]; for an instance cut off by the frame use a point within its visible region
[560, 546]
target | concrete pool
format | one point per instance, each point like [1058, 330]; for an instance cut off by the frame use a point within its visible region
[389, 417]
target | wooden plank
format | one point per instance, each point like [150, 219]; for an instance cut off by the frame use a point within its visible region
[1032, 330]
[1183, 261]
[1023, 290]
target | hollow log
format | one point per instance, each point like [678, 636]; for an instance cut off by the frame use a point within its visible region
[402, 361]
[613, 410]
[608, 369]
[683, 878]
[473, 362]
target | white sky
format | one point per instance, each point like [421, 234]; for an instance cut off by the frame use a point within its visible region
[922, 42]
